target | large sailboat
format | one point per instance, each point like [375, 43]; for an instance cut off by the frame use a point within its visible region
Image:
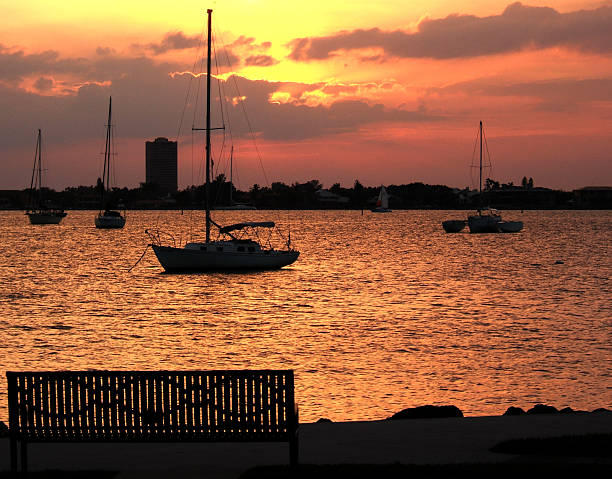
[382, 203]
[108, 217]
[234, 249]
[38, 212]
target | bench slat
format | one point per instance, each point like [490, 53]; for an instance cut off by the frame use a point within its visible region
[137, 405]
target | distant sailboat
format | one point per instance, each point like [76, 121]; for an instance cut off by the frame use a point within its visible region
[38, 212]
[234, 251]
[382, 204]
[108, 217]
[486, 220]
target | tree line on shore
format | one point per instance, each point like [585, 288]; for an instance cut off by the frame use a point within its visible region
[308, 195]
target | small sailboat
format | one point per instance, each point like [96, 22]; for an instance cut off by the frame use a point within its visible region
[486, 220]
[382, 203]
[235, 249]
[108, 217]
[38, 212]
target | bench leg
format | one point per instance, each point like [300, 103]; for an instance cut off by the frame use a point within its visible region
[293, 452]
[13, 455]
[24, 457]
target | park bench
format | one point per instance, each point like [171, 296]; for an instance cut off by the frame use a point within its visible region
[151, 406]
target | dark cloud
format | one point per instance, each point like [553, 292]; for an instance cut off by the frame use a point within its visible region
[519, 27]
[174, 41]
[148, 100]
[44, 84]
[297, 121]
[249, 44]
[260, 61]
[561, 91]
[102, 51]
[15, 65]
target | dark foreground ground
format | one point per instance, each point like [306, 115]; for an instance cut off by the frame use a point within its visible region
[504, 446]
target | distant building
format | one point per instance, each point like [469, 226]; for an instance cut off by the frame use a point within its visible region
[161, 157]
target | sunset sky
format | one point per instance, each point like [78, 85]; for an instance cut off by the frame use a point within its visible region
[387, 92]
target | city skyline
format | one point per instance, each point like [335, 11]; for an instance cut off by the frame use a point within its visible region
[381, 93]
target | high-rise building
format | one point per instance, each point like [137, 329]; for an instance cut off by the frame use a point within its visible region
[161, 168]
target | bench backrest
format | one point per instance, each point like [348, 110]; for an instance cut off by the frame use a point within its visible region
[143, 405]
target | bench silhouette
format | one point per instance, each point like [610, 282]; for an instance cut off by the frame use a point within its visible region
[151, 406]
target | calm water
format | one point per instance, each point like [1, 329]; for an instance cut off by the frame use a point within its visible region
[381, 312]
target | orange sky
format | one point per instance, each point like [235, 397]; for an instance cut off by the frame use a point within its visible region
[384, 92]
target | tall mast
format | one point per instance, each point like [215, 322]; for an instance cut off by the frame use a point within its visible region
[480, 169]
[231, 174]
[480, 172]
[107, 152]
[40, 168]
[37, 176]
[209, 11]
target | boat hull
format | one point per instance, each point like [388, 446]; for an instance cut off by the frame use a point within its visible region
[381, 210]
[484, 223]
[46, 218]
[186, 259]
[510, 226]
[109, 222]
[453, 226]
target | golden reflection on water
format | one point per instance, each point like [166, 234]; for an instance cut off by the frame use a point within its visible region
[380, 312]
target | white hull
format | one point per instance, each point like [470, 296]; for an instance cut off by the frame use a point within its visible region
[191, 259]
[45, 218]
[484, 223]
[510, 226]
[109, 222]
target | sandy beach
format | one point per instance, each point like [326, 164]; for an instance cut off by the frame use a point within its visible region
[412, 441]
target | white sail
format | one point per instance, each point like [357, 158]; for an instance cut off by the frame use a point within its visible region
[383, 198]
[382, 203]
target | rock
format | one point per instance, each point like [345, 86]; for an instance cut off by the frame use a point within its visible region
[423, 412]
[324, 419]
[514, 411]
[4, 431]
[542, 409]
[566, 410]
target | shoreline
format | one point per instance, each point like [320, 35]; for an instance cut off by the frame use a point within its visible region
[442, 441]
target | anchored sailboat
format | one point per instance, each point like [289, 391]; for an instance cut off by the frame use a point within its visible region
[234, 250]
[108, 217]
[486, 220]
[382, 204]
[38, 212]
